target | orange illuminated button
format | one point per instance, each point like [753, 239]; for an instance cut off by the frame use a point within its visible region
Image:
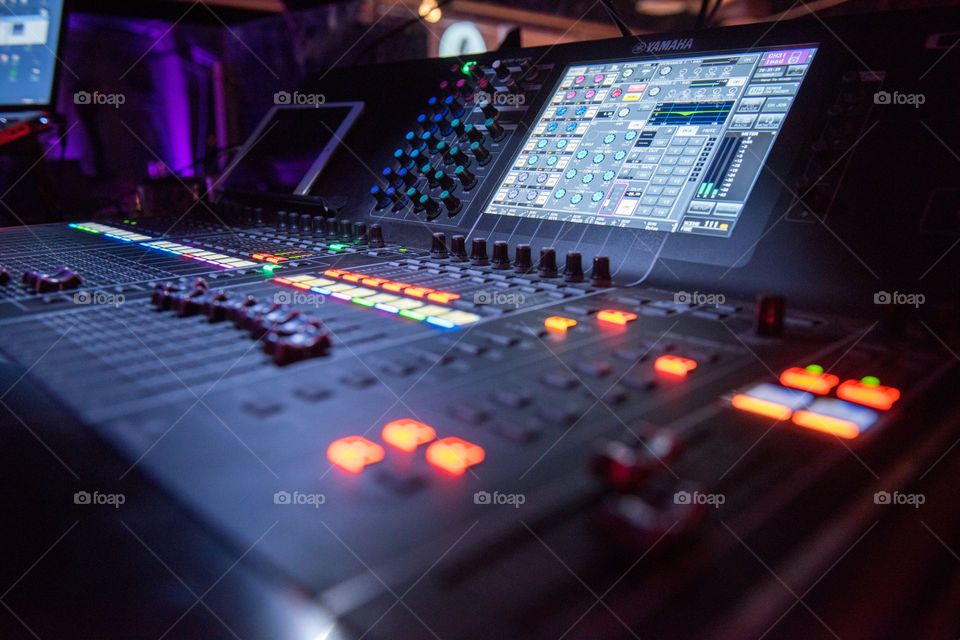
[866, 393]
[275, 259]
[443, 297]
[811, 379]
[614, 316]
[836, 417]
[454, 455]
[282, 280]
[259, 256]
[333, 273]
[772, 400]
[352, 277]
[353, 453]
[559, 323]
[416, 292]
[674, 365]
[406, 434]
[394, 286]
[373, 282]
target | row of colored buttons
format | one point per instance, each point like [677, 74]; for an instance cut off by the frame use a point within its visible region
[442, 297]
[451, 454]
[217, 259]
[867, 391]
[112, 232]
[410, 308]
[560, 324]
[272, 259]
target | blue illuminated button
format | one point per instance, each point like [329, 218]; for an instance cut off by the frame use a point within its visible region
[581, 110]
[523, 176]
[560, 193]
[630, 135]
[608, 176]
[561, 143]
[561, 111]
[587, 178]
[576, 198]
[570, 174]
[620, 155]
[552, 126]
[552, 160]
[542, 143]
[582, 154]
[607, 139]
[598, 196]
[597, 159]
[836, 417]
[533, 160]
[572, 126]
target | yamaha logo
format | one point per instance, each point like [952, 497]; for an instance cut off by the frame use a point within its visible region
[662, 45]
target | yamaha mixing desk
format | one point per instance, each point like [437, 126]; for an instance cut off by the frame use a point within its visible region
[628, 338]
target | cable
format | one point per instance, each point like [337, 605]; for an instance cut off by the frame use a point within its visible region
[702, 15]
[389, 34]
[713, 14]
[615, 17]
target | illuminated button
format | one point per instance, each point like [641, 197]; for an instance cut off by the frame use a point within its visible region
[416, 292]
[443, 297]
[360, 292]
[394, 286]
[559, 323]
[836, 417]
[353, 453]
[385, 298]
[406, 303]
[333, 273]
[373, 282]
[454, 455]
[406, 434]
[674, 365]
[869, 392]
[319, 282]
[352, 277]
[340, 287]
[613, 316]
[772, 400]
[433, 310]
[461, 318]
[811, 379]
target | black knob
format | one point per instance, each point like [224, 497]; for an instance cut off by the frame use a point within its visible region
[452, 203]
[414, 197]
[445, 150]
[548, 263]
[438, 249]
[306, 223]
[431, 206]
[389, 176]
[435, 105]
[478, 252]
[317, 222]
[375, 236]
[416, 144]
[398, 198]
[467, 179]
[494, 129]
[402, 157]
[457, 126]
[459, 156]
[769, 314]
[360, 232]
[458, 249]
[443, 125]
[281, 219]
[4, 276]
[346, 229]
[501, 255]
[500, 69]
[601, 272]
[331, 226]
[380, 196]
[480, 152]
[444, 180]
[573, 270]
[431, 141]
[490, 110]
[513, 87]
[428, 171]
[527, 70]
[418, 157]
[424, 124]
[407, 178]
[523, 263]
[472, 133]
[453, 105]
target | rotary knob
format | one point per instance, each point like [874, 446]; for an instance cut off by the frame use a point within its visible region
[501, 255]
[601, 272]
[438, 248]
[458, 249]
[523, 263]
[573, 270]
[376, 236]
[478, 252]
[548, 263]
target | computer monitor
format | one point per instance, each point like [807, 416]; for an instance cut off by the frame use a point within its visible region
[29, 40]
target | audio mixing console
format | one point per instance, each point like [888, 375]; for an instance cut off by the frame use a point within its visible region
[496, 328]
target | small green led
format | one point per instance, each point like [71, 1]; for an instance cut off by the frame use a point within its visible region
[413, 315]
[337, 247]
[465, 69]
[126, 222]
[363, 302]
[870, 381]
[269, 268]
[401, 249]
[814, 368]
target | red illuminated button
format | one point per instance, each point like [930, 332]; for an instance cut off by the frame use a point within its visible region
[406, 434]
[373, 282]
[394, 286]
[868, 392]
[353, 453]
[761, 407]
[416, 292]
[352, 277]
[613, 316]
[454, 455]
[443, 297]
[559, 323]
[333, 273]
[282, 280]
[674, 365]
[811, 379]
[275, 259]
